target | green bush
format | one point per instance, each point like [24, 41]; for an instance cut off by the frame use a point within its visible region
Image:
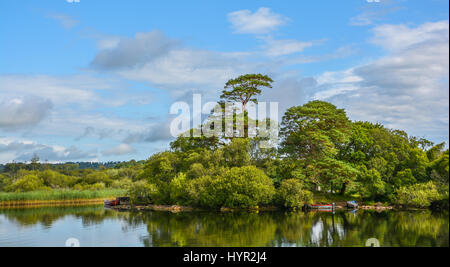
[26, 184]
[142, 192]
[125, 183]
[4, 182]
[418, 195]
[178, 190]
[200, 192]
[236, 187]
[292, 195]
[97, 186]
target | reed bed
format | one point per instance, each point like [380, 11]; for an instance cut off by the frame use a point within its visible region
[57, 197]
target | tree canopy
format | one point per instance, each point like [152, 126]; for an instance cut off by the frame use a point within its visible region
[245, 88]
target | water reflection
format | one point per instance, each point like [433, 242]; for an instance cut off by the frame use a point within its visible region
[240, 229]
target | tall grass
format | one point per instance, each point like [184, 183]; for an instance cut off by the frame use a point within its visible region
[60, 195]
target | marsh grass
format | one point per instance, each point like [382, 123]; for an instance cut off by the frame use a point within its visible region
[57, 196]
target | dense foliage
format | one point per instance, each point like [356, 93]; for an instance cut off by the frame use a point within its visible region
[320, 151]
[19, 177]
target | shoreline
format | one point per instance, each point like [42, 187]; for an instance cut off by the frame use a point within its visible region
[177, 208]
[41, 203]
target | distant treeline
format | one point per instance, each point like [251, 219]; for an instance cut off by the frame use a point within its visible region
[68, 165]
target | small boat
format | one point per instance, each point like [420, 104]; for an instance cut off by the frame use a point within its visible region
[117, 201]
[320, 207]
[111, 203]
[352, 204]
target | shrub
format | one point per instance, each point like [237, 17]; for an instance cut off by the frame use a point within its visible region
[237, 187]
[418, 195]
[292, 195]
[200, 192]
[122, 184]
[55, 179]
[97, 186]
[142, 192]
[4, 182]
[178, 190]
[26, 184]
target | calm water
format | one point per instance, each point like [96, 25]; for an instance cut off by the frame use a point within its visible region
[95, 226]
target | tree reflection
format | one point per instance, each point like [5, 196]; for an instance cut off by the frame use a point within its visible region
[210, 229]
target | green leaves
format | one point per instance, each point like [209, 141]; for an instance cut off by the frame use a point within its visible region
[418, 195]
[291, 194]
[244, 88]
[314, 130]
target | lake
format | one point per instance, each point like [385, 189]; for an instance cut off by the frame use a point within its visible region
[96, 226]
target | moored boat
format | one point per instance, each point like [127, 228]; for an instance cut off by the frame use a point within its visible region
[352, 204]
[320, 207]
[111, 203]
[117, 201]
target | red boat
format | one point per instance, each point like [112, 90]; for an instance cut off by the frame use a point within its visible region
[111, 203]
[117, 201]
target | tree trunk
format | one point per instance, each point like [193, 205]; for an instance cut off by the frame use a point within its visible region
[343, 188]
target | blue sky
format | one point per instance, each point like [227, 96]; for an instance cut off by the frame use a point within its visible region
[94, 80]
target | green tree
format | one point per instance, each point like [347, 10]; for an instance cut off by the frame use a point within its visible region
[245, 88]
[314, 130]
[333, 175]
[142, 192]
[418, 195]
[26, 184]
[291, 194]
[35, 162]
[372, 185]
[237, 152]
[439, 169]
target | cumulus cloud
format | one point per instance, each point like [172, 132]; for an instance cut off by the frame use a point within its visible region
[402, 37]
[122, 149]
[80, 88]
[260, 22]
[276, 48]
[289, 91]
[408, 89]
[97, 133]
[17, 113]
[129, 52]
[165, 63]
[20, 150]
[187, 68]
[157, 132]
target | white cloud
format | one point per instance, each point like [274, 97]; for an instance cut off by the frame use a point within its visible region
[65, 106]
[128, 52]
[407, 89]
[276, 48]
[23, 112]
[260, 22]
[23, 150]
[58, 89]
[66, 21]
[397, 37]
[187, 68]
[122, 149]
